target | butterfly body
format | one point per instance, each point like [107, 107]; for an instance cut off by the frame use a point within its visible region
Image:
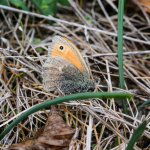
[65, 68]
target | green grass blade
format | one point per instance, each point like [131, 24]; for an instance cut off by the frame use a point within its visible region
[120, 49]
[40, 9]
[141, 106]
[137, 133]
[64, 99]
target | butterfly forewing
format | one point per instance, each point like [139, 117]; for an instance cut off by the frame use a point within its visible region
[63, 47]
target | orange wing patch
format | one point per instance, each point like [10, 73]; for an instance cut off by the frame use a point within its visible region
[67, 54]
[80, 57]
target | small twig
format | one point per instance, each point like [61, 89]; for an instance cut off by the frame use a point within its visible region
[95, 55]
[115, 54]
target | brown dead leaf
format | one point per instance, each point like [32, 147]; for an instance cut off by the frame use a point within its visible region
[55, 135]
[146, 3]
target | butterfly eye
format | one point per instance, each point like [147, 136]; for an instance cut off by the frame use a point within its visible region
[61, 47]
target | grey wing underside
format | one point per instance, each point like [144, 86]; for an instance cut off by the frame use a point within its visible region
[60, 73]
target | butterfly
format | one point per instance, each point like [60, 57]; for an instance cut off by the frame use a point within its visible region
[65, 68]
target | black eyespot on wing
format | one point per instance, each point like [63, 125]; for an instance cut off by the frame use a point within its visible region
[61, 47]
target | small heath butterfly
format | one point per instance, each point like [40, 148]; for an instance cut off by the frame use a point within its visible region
[65, 68]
